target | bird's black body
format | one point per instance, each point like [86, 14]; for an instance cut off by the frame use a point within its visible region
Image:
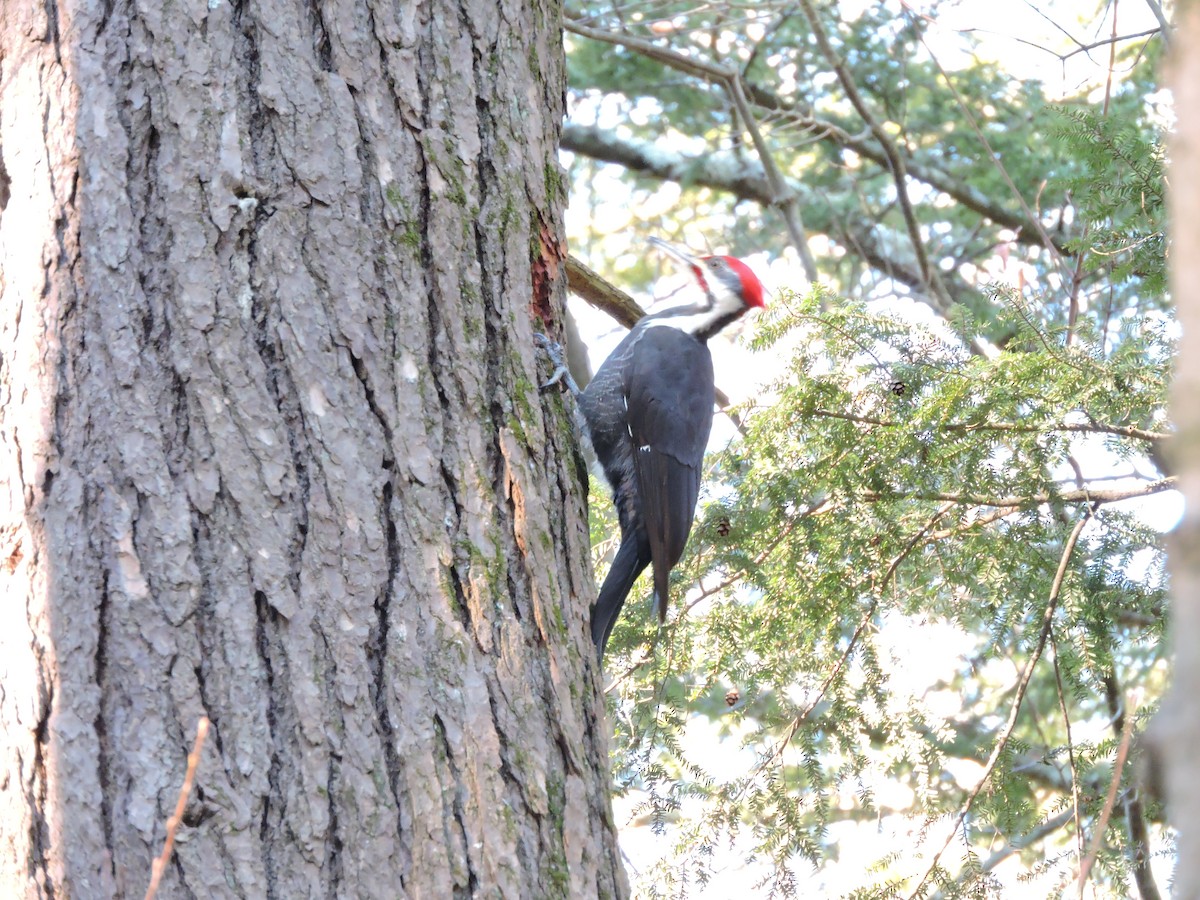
[649, 411]
[649, 433]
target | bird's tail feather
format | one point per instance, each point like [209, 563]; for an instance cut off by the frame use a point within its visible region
[662, 582]
[632, 558]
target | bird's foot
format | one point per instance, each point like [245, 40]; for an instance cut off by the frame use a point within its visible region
[561, 373]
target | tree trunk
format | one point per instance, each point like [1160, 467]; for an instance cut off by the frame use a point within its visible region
[275, 455]
[1177, 728]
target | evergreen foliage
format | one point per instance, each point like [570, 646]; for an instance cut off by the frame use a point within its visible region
[909, 488]
[896, 480]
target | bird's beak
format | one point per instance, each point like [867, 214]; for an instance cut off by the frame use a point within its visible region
[683, 256]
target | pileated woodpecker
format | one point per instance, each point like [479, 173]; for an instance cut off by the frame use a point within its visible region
[649, 411]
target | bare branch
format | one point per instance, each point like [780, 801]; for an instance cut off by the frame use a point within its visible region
[1135, 816]
[1156, 8]
[1037, 834]
[781, 194]
[722, 171]
[1083, 48]
[601, 294]
[975, 523]
[687, 64]
[746, 180]
[1102, 824]
[963, 193]
[595, 291]
[1051, 246]
[1042, 831]
[1100, 497]
[1084, 428]
[193, 761]
[784, 196]
[1062, 706]
[895, 161]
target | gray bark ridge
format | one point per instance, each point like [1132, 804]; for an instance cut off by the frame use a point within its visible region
[269, 395]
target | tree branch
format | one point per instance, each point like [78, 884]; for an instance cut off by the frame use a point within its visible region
[1100, 497]
[1102, 824]
[784, 196]
[1022, 687]
[781, 194]
[964, 194]
[1051, 246]
[689, 65]
[1035, 835]
[1135, 816]
[590, 287]
[894, 159]
[878, 588]
[1156, 8]
[747, 181]
[1088, 428]
[1062, 706]
[722, 171]
[1083, 48]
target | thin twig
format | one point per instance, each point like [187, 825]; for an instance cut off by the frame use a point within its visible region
[799, 720]
[1135, 817]
[1112, 61]
[1051, 21]
[894, 159]
[1062, 706]
[783, 197]
[1027, 840]
[193, 761]
[741, 573]
[686, 64]
[1098, 835]
[647, 656]
[1022, 687]
[973, 524]
[1115, 39]
[1085, 428]
[1085, 496]
[916, 541]
[861, 144]
[994, 157]
[1077, 275]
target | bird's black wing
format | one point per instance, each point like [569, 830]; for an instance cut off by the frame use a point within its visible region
[670, 394]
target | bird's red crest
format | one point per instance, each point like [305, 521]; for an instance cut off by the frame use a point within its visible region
[752, 289]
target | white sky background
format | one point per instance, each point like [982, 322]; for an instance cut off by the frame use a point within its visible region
[1011, 32]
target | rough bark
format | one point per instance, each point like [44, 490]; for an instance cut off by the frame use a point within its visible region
[1176, 731]
[274, 455]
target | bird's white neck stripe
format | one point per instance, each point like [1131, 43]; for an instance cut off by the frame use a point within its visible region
[701, 319]
[695, 323]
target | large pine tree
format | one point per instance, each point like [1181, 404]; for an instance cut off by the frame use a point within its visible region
[274, 455]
